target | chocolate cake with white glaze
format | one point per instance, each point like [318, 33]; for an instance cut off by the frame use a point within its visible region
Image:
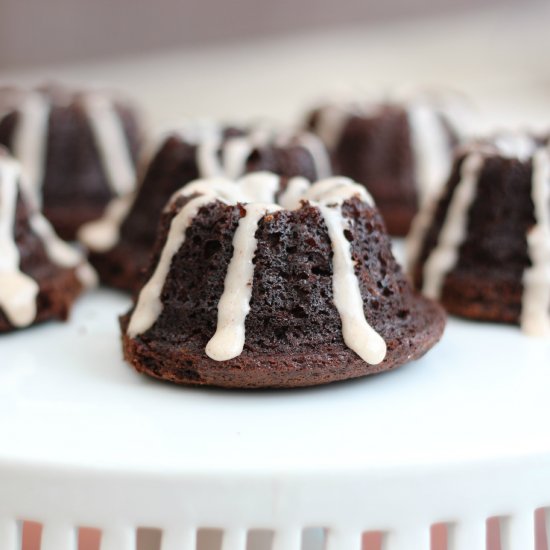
[401, 149]
[40, 275]
[78, 149]
[483, 249]
[121, 242]
[270, 282]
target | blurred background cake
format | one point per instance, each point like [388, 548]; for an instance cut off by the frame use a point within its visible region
[78, 149]
[40, 275]
[484, 251]
[401, 149]
[121, 242]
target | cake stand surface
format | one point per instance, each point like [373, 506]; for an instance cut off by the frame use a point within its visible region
[456, 437]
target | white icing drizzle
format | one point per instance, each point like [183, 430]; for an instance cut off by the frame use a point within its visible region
[336, 190]
[234, 304]
[149, 305]
[207, 159]
[295, 191]
[111, 142]
[330, 123]
[218, 158]
[515, 145]
[318, 153]
[445, 255]
[235, 154]
[61, 253]
[30, 138]
[102, 234]
[431, 150]
[358, 334]
[18, 291]
[260, 186]
[535, 311]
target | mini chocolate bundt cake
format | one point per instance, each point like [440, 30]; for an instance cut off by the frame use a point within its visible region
[121, 242]
[40, 275]
[78, 149]
[402, 150]
[483, 250]
[270, 282]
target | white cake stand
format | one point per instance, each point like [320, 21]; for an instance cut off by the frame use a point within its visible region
[457, 437]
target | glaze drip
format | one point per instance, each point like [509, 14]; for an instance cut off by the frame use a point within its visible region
[535, 312]
[445, 255]
[112, 144]
[30, 138]
[327, 195]
[234, 304]
[18, 291]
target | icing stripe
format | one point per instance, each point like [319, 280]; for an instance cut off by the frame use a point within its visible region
[337, 190]
[260, 187]
[103, 234]
[535, 311]
[358, 335]
[318, 152]
[149, 305]
[330, 124]
[29, 141]
[445, 255]
[431, 150]
[207, 159]
[294, 193]
[18, 291]
[61, 253]
[111, 143]
[235, 154]
[234, 304]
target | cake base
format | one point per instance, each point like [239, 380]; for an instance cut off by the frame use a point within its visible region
[67, 220]
[482, 298]
[165, 361]
[121, 267]
[397, 217]
[55, 299]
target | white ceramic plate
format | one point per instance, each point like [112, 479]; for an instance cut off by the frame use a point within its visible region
[67, 398]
